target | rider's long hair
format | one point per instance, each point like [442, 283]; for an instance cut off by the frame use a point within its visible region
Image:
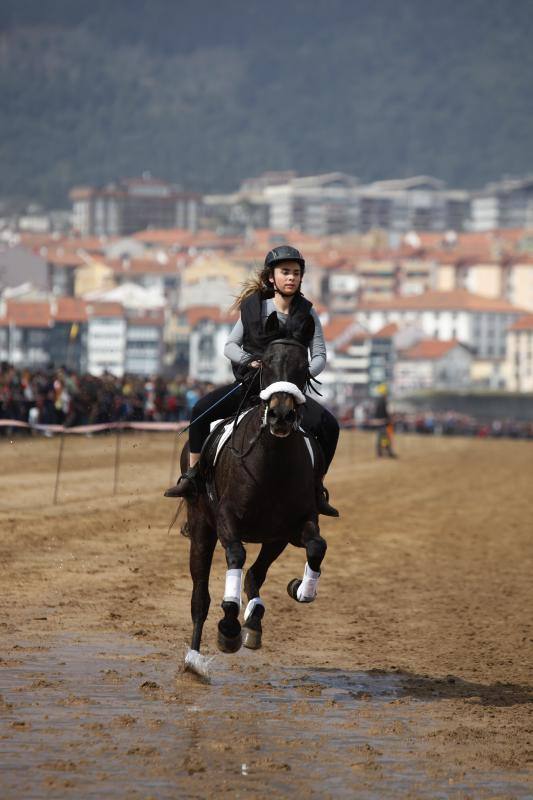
[258, 282]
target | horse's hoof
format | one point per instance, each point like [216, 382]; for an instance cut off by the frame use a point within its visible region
[229, 644]
[251, 639]
[292, 588]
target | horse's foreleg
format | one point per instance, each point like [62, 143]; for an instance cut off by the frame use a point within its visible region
[203, 541]
[229, 627]
[255, 577]
[305, 590]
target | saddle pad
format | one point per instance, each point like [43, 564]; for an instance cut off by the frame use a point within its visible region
[226, 433]
[228, 428]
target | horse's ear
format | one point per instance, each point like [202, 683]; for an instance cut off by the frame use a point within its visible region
[272, 323]
[307, 331]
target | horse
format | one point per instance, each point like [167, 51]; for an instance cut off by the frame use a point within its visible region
[263, 490]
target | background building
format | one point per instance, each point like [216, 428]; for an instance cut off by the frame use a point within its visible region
[131, 205]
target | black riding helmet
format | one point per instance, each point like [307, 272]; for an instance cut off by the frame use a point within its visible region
[284, 253]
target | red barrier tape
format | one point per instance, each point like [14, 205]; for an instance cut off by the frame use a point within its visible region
[109, 426]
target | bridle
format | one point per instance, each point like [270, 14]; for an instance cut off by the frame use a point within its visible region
[262, 389]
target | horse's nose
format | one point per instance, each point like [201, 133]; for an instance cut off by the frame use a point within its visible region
[281, 415]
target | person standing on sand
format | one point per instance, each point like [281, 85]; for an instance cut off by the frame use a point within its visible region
[383, 421]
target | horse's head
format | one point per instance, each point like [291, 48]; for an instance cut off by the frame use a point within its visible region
[285, 369]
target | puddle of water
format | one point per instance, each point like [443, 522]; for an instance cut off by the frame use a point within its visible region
[115, 718]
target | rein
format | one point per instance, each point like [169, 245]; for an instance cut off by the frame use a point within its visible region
[233, 450]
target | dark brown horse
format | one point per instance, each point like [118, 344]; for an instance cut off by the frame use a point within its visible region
[264, 485]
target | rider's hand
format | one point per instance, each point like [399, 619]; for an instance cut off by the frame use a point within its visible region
[255, 364]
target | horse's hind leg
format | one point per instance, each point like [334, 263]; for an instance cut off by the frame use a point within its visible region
[255, 577]
[203, 541]
[304, 591]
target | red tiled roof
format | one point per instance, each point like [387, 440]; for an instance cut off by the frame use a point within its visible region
[165, 236]
[69, 309]
[61, 257]
[142, 266]
[336, 327]
[28, 314]
[456, 300]
[196, 314]
[429, 349]
[387, 330]
[101, 309]
[524, 323]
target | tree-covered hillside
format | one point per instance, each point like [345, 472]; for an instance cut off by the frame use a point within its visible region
[207, 93]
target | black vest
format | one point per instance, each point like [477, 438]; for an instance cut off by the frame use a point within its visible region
[255, 340]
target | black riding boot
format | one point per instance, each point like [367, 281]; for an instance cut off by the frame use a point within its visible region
[188, 484]
[323, 505]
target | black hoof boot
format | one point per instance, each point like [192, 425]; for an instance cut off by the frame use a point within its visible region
[292, 588]
[252, 629]
[229, 638]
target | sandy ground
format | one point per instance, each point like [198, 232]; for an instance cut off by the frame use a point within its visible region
[408, 677]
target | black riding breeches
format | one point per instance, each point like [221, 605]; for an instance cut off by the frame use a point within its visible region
[321, 423]
[316, 419]
[213, 407]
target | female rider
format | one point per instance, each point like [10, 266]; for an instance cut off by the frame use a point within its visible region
[276, 289]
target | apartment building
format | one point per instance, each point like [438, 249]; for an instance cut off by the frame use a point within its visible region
[92, 336]
[503, 204]
[480, 323]
[519, 356]
[418, 203]
[358, 360]
[25, 333]
[209, 329]
[431, 364]
[336, 203]
[123, 207]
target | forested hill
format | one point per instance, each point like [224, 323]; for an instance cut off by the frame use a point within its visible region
[207, 93]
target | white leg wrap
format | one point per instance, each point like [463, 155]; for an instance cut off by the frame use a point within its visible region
[232, 592]
[199, 664]
[255, 601]
[308, 588]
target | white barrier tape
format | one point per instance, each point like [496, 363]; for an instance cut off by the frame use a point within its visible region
[307, 590]
[97, 428]
[232, 591]
[252, 605]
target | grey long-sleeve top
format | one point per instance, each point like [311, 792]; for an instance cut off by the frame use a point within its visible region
[233, 347]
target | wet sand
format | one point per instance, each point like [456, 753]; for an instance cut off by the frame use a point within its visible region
[408, 677]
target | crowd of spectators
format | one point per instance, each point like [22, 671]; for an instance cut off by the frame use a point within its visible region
[440, 423]
[450, 423]
[63, 397]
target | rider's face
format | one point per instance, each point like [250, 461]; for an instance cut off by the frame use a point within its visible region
[288, 277]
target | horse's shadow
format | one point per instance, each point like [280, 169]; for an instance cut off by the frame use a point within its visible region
[430, 688]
